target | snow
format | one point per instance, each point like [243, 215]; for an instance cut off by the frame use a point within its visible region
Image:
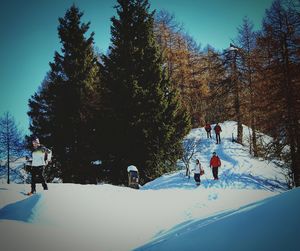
[132, 168]
[271, 224]
[17, 172]
[238, 212]
[114, 218]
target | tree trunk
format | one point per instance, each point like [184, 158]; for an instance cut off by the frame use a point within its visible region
[8, 167]
[8, 148]
[237, 103]
[292, 123]
[253, 122]
[254, 140]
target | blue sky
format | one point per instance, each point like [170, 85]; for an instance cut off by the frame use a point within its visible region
[29, 36]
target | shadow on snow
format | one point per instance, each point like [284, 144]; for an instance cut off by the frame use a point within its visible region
[227, 179]
[21, 210]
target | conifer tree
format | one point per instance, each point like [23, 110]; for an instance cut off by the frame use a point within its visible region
[39, 111]
[146, 120]
[65, 108]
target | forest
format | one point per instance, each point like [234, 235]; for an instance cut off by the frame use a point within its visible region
[136, 103]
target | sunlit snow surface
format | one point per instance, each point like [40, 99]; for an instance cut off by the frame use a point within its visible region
[169, 213]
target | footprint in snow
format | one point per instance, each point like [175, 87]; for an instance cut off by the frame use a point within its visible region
[212, 196]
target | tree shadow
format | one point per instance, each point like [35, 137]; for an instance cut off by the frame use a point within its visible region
[243, 180]
[227, 179]
[185, 227]
[225, 156]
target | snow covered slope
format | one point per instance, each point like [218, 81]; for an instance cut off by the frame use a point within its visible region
[105, 217]
[239, 169]
[271, 224]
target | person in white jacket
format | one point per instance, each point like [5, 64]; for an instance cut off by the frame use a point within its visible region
[40, 157]
[197, 172]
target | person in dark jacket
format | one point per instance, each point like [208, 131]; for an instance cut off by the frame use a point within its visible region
[218, 130]
[215, 163]
[208, 130]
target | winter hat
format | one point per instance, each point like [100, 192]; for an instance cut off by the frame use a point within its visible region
[214, 153]
[132, 168]
[36, 139]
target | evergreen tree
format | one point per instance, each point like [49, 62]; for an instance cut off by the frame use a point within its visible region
[146, 120]
[11, 141]
[64, 111]
[39, 112]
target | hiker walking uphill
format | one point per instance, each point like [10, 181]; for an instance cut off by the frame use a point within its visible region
[215, 163]
[208, 130]
[218, 130]
[40, 157]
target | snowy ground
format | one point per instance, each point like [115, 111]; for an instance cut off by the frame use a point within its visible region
[269, 225]
[17, 172]
[169, 213]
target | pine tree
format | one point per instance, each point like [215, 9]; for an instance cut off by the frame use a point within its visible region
[146, 120]
[64, 110]
[39, 112]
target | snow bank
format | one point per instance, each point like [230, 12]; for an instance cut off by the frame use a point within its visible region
[171, 211]
[105, 217]
[271, 224]
[239, 169]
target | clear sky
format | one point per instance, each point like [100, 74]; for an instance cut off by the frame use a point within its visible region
[29, 36]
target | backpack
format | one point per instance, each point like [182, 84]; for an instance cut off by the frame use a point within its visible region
[48, 155]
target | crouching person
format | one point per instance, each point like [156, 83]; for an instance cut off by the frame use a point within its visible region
[133, 177]
[40, 157]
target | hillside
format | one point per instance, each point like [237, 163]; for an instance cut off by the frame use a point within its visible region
[271, 224]
[166, 211]
[239, 169]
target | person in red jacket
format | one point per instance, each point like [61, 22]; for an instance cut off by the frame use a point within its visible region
[215, 163]
[208, 130]
[218, 130]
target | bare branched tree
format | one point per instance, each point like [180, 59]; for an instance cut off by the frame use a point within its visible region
[11, 141]
[189, 147]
